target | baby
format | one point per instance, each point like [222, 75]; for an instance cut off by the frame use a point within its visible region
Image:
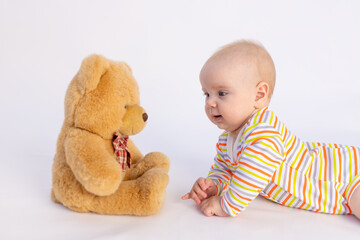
[257, 154]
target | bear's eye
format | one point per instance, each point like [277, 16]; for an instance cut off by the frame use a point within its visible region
[125, 106]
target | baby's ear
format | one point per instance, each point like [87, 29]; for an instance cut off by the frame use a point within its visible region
[91, 70]
[262, 94]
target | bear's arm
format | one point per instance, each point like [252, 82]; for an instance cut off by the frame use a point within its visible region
[92, 164]
[134, 151]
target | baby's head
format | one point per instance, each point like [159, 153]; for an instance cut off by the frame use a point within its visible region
[245, 54]
[237, 80]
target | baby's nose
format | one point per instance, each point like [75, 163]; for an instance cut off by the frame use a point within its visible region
[210, 102]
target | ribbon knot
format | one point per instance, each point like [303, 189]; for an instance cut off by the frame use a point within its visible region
[121, 150]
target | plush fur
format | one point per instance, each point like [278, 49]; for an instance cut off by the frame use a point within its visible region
[103, 98]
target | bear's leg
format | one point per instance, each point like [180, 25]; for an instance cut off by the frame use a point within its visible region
[69, 192]
[143, 196]
[150, 160]
[53, 197]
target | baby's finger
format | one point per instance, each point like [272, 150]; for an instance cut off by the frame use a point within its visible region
[194, 197]
[186, 196]
[199, 191]
[202, 184]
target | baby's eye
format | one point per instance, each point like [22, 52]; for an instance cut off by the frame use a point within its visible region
[222, 94]
[206, 94]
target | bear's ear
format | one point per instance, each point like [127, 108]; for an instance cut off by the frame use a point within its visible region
[91, 70]
[128, 67]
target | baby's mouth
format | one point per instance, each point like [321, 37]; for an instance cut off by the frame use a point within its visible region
[217, 118]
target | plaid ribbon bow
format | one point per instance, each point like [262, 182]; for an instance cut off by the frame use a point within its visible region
[121, 150]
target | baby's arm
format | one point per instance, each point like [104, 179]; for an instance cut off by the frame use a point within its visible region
[203, 189]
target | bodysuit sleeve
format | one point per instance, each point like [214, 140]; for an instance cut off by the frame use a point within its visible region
[219, 172]
[260, 156]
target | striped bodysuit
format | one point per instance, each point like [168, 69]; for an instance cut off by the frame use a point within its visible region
[269, 160]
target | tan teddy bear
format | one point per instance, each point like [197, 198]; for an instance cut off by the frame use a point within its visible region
[96, 167]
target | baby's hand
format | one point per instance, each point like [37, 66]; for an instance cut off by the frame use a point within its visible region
[203, 188]
[212, 206]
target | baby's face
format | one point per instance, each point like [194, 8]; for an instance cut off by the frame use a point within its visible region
[230, 93]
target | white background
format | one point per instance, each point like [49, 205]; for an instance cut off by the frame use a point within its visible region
[315, 46]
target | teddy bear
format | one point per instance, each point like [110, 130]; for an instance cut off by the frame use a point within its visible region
[97, 167]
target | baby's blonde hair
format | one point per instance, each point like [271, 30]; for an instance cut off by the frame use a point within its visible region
[257, 53]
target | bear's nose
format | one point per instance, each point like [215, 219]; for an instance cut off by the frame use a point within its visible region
[145, 117]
